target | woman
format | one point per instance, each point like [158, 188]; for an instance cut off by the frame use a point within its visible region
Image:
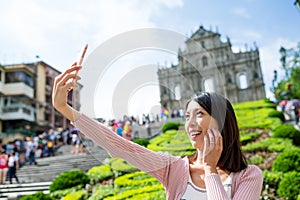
[217, 170]
[3, 166]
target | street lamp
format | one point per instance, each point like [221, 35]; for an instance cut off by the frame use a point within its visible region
[282, 52]
[297, 3]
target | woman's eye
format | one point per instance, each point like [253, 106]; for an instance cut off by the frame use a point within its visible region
[200, 113]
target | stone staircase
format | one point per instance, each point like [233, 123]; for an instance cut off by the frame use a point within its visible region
[34, 178]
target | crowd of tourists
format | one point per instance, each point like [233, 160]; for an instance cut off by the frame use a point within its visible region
[19, 152]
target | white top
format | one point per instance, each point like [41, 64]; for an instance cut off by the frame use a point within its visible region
[11, 161]
[194, 192]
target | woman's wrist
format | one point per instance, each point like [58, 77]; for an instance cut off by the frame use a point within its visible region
[210, 170]
[69, 112]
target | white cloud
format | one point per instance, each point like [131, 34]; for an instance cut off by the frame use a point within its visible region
[241, 12]
[56, 30]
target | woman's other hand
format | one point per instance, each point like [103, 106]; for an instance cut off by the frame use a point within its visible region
[213, 147]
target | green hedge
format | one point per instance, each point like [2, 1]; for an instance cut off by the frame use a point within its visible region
[278, 114]
[135, 179]
[37, 196]
[69, 179]
[256, 160]
[78, 195]
[272, 179]
[128, 194]
[287, 131]
[120, 166]
[269, 145]
[270, 185]
[142, 141]
[157, 195]
[100, 173]
[247, 137]
[170, 126]
[264, 103]
[58, 194]
[287, 161]
[102, 191]
[289, 186]
[172, 141]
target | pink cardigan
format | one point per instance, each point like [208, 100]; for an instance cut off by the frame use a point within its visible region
[171, 171]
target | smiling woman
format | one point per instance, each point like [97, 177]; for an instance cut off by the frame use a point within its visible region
[216, 171]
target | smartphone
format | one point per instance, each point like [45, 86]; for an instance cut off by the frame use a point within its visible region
[81, 57]
[82, 54]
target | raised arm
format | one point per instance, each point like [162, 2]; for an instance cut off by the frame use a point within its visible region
[156, 164]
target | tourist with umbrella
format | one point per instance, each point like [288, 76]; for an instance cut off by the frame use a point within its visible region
[294, 105]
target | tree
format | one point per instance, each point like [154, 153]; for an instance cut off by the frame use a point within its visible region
[289, 87]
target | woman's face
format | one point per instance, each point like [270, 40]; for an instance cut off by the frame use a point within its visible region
[198, 121]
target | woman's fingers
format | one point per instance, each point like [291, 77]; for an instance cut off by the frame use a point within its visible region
[60, 77]
[66, 78]
[213, 139]
[71, 84]
[211, 136]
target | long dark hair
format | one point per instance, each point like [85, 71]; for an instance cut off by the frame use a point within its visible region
[232, 158]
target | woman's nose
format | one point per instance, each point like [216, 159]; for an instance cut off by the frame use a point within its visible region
[192, 121]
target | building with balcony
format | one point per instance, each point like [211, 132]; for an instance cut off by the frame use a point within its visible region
[209, 64]
[26, 102]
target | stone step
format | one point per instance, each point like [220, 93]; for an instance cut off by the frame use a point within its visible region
[12, 191]
[49, 168]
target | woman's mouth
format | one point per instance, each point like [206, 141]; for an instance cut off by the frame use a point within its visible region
[194, 134]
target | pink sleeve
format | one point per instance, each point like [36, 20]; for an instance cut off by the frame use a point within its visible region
[248, 185]
[215, 188]
[154, 163]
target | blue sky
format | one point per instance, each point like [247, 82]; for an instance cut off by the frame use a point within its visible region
[56, 30]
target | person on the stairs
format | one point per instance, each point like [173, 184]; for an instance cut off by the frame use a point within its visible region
[13, 166]
[3, 166]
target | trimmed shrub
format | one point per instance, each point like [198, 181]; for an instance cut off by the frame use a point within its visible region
[269, 145]
[160, 194]
[135, 179]
[100, 173]
[141, 141]
[128, 194]
[272, 179]
[247, 137]
[101, 192]
[289, 186]
[120, 167]
[79, 195]
[172, 141]
[276, 113]
[59, 194]
[256, 160]
[287, 131]
[37, 196]
[69, 179]
[288, 160]
[170, 126]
